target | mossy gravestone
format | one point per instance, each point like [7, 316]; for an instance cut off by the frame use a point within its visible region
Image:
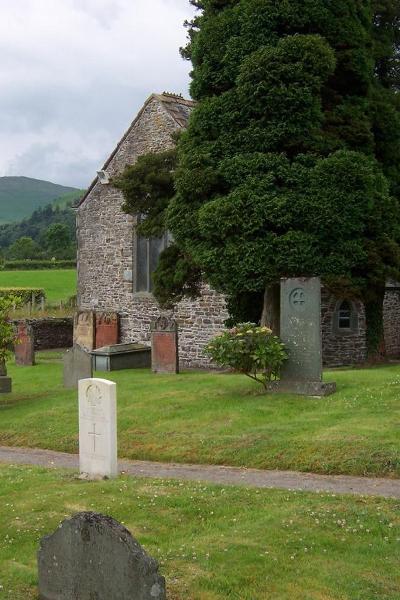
[93, 557]
[300, 331]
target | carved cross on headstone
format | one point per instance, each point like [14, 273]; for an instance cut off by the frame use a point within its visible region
[94, 434]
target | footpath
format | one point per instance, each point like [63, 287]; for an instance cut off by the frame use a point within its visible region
[310, 482]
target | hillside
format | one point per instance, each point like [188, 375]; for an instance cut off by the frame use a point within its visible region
[20, 196]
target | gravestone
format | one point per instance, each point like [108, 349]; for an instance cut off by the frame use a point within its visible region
[300, 331]
[5, 382]
[84, 329]
[93, 557]
[98, 428]
[164, 345]
[107, 329]
[77, 365]
[24, 348]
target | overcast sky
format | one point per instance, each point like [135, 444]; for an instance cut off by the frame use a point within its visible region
[73, 74]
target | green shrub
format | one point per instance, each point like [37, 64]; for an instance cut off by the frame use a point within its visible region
[7, 333]
[23, 294]
[251, 350]
[36, 265]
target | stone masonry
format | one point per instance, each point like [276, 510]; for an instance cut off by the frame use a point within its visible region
[106, 260]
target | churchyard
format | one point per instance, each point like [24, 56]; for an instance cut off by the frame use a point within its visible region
[219, 418]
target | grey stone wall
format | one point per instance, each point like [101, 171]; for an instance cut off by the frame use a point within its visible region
[391, 316]
[51, 333]
[341, 348]
[106, 253]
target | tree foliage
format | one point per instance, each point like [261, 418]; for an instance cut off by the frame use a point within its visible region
[290, 164]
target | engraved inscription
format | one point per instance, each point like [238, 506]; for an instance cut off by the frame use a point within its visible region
[297, 298]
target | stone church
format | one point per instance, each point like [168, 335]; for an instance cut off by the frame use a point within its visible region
[115, 265]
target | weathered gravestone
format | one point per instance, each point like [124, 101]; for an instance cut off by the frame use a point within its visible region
[77, 365]
[25, 345]
[93, 557]
[5, 382]
[107, 329]
[98, 428]
[84, 329]
[164, 345]
[300, 331]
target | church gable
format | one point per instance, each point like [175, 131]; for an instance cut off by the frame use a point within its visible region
[151, 131]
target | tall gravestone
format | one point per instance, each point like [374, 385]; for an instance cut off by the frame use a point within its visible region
[164, 345]
[25, 345]
[93, 557]
[85, 329]
[107, 329]
[300, 331]
[77, 365]
[97, 428]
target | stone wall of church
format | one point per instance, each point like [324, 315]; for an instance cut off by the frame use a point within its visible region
[106, 253]
[344, 347]
[391, 317]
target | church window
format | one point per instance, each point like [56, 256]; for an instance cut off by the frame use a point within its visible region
[344, 315]
[148, 252]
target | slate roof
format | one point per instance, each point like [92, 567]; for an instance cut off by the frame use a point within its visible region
[177, 107]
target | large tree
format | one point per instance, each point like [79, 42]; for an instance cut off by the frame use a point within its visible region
[288, 166]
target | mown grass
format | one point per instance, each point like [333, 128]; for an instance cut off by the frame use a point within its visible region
[213, 543]
[215, 418]
[59, 284]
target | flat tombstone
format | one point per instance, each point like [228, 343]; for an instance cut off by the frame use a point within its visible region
[25, 345]
[84, 329]
[164, 346]
[107, 329]
[94, 557]
[98, 428]
[300, 331]
[77, 365]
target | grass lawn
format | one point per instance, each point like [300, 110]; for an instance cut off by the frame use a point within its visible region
[215, 418]
[59, 284]
[214, 543]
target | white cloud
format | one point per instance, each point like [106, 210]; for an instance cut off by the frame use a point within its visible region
[73, 74]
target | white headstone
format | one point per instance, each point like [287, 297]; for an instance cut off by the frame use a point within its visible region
[98, 428]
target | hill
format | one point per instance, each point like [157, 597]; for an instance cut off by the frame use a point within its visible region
[20, 196]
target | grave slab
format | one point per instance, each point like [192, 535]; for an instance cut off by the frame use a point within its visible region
[98, 428]
[107, 329]
[300, 331]
[84, 329]
[122, 356]
[24, 347]
[93, 557]
[164, 346]
[77, 365]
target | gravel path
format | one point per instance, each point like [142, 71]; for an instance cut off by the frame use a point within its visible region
[338, 484]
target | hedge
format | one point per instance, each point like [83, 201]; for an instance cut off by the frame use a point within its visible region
[24, 293]
[36, 265]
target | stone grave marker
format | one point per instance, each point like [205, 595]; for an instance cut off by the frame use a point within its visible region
[107, 329]
[5, 382]
[84, 329]
[164, 345]
[24, 348]
[77, 365]
[98, 428]
[93, 557]
[300, 331]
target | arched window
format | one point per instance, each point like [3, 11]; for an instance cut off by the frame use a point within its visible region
[344, 315]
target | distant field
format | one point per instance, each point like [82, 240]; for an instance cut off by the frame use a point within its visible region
[59, 284]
